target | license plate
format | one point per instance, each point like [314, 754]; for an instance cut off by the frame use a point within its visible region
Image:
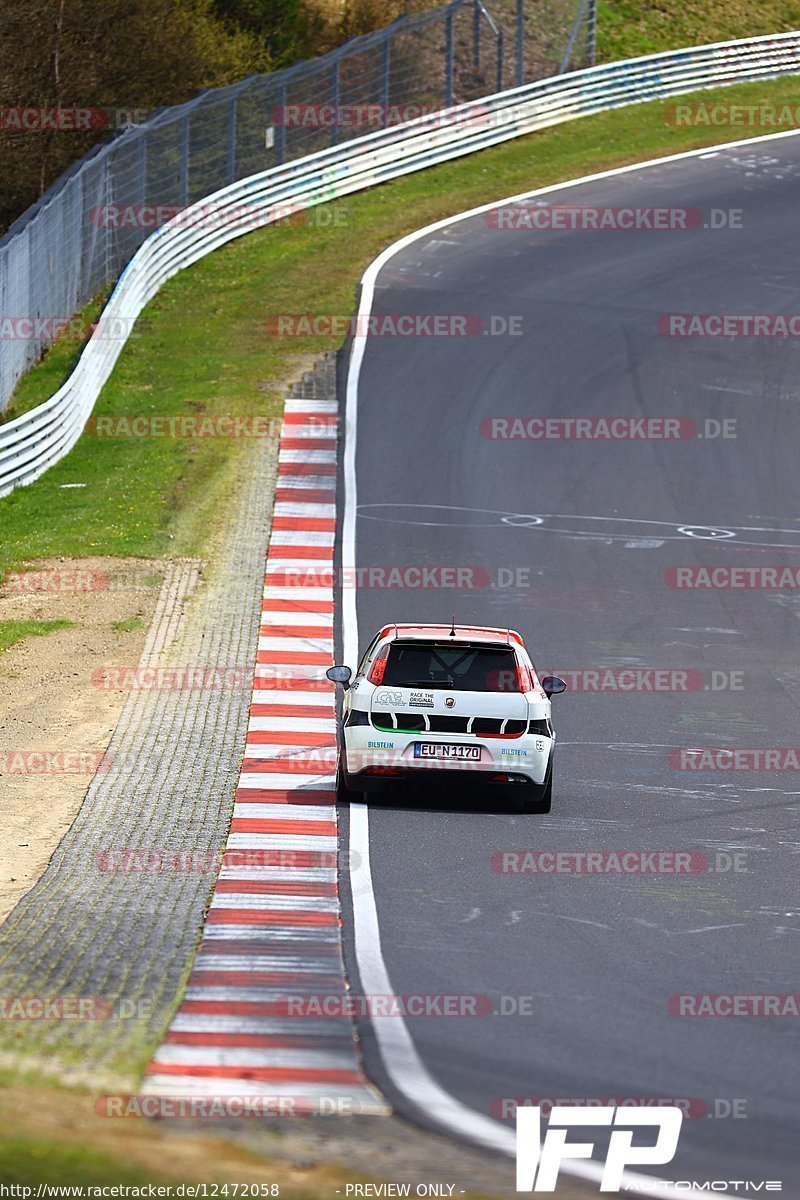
[443, 750]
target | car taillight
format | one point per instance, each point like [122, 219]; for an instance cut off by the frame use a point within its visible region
[357, 716]
[524, 681]
[510, 729]
[379, 665]
[541, 727]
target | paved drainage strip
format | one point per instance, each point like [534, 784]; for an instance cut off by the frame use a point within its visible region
[250, 1024]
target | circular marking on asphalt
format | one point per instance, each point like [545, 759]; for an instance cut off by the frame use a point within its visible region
[703, 531]
[524, 521]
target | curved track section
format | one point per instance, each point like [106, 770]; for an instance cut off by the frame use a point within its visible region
[577, 543]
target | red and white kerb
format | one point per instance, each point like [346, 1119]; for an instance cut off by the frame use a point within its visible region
[273, 929]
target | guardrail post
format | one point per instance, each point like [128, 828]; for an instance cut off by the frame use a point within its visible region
[107, 230]
[386, 69]
[232, 115]
[280, 133]
[448, 62]
[520, 42]
[335, 81]
[184, 199]
[143, 167]
[577, 24]
[476, 35]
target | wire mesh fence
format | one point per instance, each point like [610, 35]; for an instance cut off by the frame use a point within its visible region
[79, 236]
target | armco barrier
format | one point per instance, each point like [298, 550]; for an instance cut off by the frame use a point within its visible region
[33, 442]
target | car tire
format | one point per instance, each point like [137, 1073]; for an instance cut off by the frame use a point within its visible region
[541, 804]
[345, 792]
[342, 790]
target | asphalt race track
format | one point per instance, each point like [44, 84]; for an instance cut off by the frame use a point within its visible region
[572, 543]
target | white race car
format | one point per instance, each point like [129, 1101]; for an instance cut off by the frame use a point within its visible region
[444, 704]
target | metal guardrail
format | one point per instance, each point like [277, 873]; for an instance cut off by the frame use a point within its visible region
[33, 442]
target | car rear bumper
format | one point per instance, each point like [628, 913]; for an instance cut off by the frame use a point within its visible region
[372, 761]
[418, 783]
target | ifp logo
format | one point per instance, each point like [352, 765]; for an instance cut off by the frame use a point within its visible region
[539, 1159]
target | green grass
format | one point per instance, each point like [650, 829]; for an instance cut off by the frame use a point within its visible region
[201, 346]
[26, 1159]
[130, 625]
[12, 632]
[628, 28]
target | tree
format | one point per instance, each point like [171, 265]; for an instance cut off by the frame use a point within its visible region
[289, 30]
[103, 54]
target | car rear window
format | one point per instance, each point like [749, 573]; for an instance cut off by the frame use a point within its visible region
[456, 667]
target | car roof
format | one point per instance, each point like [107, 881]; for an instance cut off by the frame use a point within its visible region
[463, 633]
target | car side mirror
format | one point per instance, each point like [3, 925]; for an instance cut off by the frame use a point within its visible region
[341, 675]
[552, 685]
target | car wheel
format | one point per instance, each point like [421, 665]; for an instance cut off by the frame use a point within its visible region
[342, 790]
[345, 792]
[542, 804]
